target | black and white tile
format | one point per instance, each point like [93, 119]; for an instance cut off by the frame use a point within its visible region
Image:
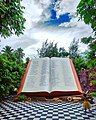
[44, 111]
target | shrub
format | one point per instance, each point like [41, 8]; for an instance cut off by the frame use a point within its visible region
[22, 98]
[12, 68]
[93, 94]
[93, 82]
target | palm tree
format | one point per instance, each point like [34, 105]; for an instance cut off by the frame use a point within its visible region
[19, 54]
[7, 50]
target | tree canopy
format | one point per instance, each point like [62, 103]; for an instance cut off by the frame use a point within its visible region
[87, 11]
[11, 18]
[81, 60]
[51, 50]
[11, 70]
[73, 49]
[91, 52]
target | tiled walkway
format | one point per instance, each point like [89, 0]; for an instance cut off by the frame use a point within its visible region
[44, 111]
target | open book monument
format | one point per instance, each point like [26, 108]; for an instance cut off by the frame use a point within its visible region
[50, 77]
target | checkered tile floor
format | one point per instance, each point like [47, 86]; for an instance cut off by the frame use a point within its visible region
[44, 111]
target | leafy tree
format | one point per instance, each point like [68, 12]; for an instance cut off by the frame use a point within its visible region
[63, 52]
[11, 71]
[87, 11]
[80, 63]
[19, 54]
[73, 49]
[51, 50]
[90, 64]
[48, 50]
[91, 52]
[7, 50]
[11, 18]
[27, 60]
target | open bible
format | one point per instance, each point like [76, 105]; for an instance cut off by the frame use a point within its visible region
[50, 77]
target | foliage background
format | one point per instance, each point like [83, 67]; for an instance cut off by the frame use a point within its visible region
[12, 68]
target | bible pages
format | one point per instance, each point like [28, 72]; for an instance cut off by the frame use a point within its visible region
[54, 76]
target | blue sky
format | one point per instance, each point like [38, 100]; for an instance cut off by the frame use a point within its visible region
[54, 21]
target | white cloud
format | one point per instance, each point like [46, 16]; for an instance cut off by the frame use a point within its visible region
[63, 6]
[59, 35]
[35, 34]
[32, 13]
